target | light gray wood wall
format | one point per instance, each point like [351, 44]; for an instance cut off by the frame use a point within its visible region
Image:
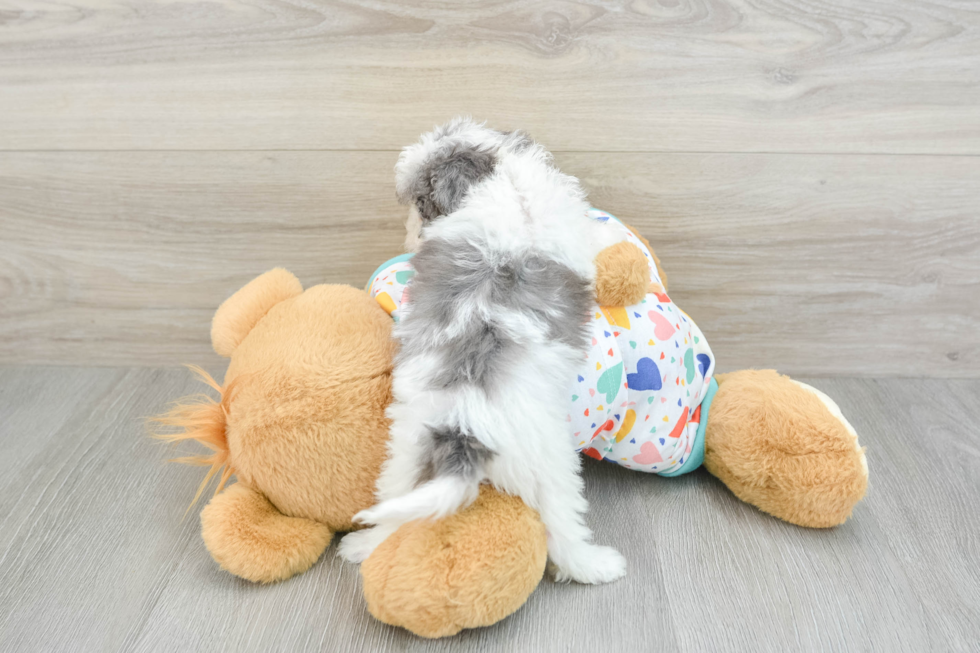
[808, 171]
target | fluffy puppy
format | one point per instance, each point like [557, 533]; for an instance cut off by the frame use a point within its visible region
[503, 287]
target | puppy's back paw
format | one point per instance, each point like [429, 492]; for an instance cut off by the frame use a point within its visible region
[592, 564]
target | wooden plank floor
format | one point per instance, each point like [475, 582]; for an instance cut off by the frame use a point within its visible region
[95, 555]
[807, 169]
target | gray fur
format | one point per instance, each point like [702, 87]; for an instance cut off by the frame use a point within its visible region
[449, 452]
[445, 178]
[452, 278]
[517, 141]
[474, 357]
[451, 275]
[453, 166]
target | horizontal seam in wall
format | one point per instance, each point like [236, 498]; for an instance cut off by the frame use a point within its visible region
[395, 151]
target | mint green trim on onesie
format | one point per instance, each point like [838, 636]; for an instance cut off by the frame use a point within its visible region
[696, 459]
[387, 264]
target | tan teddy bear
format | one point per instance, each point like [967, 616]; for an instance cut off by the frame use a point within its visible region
[301, 425]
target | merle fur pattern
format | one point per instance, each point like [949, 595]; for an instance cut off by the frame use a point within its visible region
[495, 326]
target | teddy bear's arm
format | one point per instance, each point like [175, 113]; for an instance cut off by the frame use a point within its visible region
[656, 261]
[622, 276]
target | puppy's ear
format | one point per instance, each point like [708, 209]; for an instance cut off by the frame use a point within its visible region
[436, 174]
[452, 176]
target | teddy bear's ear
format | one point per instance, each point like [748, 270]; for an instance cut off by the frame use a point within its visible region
[243, 310]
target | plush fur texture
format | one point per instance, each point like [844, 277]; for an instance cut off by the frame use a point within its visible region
[301, 419]
[468, 570]
[301, 423]
[777, 445]
[242, 311]
[656, 259]
[504, 281]
[248, 537]
[200, 419]
[622, 275]
[313, 379]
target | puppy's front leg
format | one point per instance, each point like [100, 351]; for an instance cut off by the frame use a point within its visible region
[562, 507]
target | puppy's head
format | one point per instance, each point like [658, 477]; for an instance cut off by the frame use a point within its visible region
[434, 176]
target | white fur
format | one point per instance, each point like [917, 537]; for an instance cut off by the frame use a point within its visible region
[436, 499]
[413, 230]
[525, 204]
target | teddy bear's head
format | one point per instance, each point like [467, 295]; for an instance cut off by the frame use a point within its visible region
[302, 411]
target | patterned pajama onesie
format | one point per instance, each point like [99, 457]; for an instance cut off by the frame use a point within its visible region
[642, 395]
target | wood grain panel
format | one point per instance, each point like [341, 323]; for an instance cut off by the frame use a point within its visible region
[859, 265]
[95, 556]
[125, 257]
[649, 75]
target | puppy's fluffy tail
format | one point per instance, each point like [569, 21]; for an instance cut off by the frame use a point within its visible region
[455, 462]
[436, 499]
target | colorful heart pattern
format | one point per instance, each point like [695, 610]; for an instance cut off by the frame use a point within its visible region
[649, 454]
[704, 362]
[646, 377]
[659, 364]
[627, 426]
[636, 355]
[608, 383]
[663, 329]
[403, 276]
[689, 365]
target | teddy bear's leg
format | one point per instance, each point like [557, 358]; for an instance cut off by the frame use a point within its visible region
[472, 569]
[248, 537]
[785, 448]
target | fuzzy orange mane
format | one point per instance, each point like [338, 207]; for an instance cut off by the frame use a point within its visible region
[202, 419]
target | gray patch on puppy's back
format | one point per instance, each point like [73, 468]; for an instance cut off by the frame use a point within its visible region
[451, 277]
[447, 451]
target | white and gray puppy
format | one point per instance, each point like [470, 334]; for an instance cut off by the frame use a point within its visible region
[503, 288]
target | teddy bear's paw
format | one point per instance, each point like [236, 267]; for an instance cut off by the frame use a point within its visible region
[592, 564]
[250, 538]
[357, 546]
[622, 275]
